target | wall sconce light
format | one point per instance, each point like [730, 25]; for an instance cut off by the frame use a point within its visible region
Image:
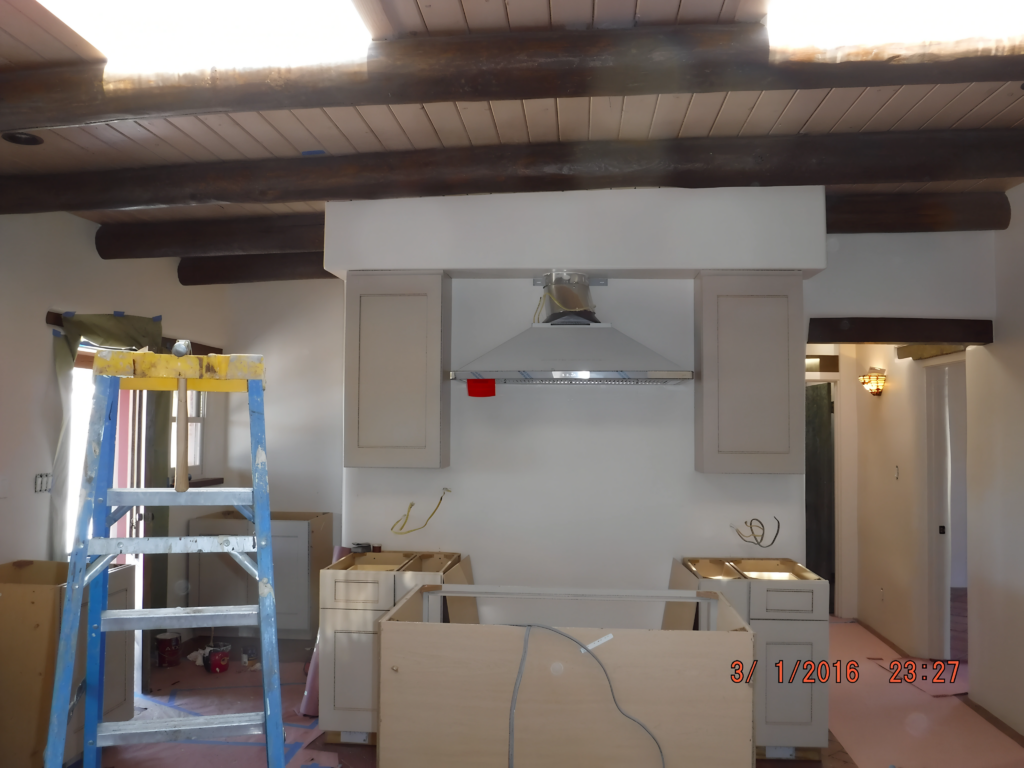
[874, 381]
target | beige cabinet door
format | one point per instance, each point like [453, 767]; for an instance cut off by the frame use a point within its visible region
[750, 342]
[348, 670]
[397, 356]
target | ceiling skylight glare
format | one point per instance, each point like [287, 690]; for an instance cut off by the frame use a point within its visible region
[880, 29]
[142, 36]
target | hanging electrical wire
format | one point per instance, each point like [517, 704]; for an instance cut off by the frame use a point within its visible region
[755, 532]
[405, 518]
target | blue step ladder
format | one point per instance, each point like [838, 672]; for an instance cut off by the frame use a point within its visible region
[102, 506]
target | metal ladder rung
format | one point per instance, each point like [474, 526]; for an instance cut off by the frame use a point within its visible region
[168, 497]
[181, 618]
[179, 729]
[162, 545]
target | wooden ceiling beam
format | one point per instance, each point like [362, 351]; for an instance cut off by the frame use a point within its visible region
[253, 268]
[898, 330]
[286, 235]
[690, 58]
[859, 158]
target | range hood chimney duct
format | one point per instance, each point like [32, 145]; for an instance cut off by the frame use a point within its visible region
[566, 299]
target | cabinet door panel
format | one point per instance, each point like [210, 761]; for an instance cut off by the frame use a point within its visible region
[291, 574]
[348, 669]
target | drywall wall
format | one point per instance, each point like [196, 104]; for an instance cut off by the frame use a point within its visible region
[657, 232]
[948, 274]
[995, 483]
[957, 394]
[49, 262]
[575, 486]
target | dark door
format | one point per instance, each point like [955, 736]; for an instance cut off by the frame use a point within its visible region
[820, 487]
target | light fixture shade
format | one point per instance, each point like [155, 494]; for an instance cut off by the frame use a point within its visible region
[874, 381]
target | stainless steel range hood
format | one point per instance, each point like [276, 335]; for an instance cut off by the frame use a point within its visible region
[571, 346]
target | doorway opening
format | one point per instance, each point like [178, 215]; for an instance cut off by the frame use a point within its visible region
[820, 484]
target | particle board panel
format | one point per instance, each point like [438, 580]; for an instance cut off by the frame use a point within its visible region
[968, 99]
[444, 17]
[572, 14]
[31, 9]
[405, 17]
[417, 126]
[541, 120]
[479, 122]
[656, 11]
[355, 129]
[292, 130]
[445, 692]
[905, 99]
[201, 133]
[864, 108]
[700, 117]
[178, 139]
[485, 15]
[766, 112]
[461, 610]
[324, 129]
[384, 125]
[798, 111]
[236, 135]
[668, 115]
[1008, 94]
[637, 115]
[574, 118]
[614, 14]
[937, 98]
[699, 11]
[734, 113]
[528, 14]
[680, 615]
[831, 110]
[605, 117]
[444, 116]
[510, 120]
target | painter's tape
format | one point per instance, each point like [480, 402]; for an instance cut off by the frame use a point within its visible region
[596, 643]
[118, 313]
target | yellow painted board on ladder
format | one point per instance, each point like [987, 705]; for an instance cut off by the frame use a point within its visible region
[194, 385]
[149, 365]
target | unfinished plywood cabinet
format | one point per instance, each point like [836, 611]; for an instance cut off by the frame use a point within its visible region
[749, 345]
[397, 356]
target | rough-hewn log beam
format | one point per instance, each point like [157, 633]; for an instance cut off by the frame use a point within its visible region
[693, 163]
[305, 233]
[687, 58]
[253, 268]
[917, 212]
[898, 330]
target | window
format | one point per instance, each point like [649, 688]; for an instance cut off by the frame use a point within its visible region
[196, 422]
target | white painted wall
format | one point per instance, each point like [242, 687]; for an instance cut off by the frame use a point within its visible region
[995, 482]
[49, 262]
[582, 486]
[958, 474]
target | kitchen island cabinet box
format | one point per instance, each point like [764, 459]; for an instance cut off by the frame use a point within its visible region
[31, 605]
[749, 352]
[787, 607]
[303, 543]
[355, 593]
[397, 357]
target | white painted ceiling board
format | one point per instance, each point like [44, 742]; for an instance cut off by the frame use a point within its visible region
[605, 117]
[862, 110]
[417, 126]
[448, 123]
[293, 131]
[326, 132]
[574, 118]
[542, 120]
[405, 17]
[637, 115]
[375, 18]
[479, 122]
[974, 95]
[937, 98]
[906, 98]
[669, 114]
[127, 148]
[992, 106]
[259, 127]
[730, 8]
[614, 14]
[528, 14]
[699, 11]
[752, 10]
[734, 113]
[703, 111]
[57, 28]
[352, 124]
[88, 143]
[178, 139]
[1009, 117]
[485, 15]
[16, 52]
[912, 186]
[236, 135]
[444, 17]
[387, 129]
[766, 112]
[656, 11]
[206, 136]
[154, 144]
[510, 120]
[831, 110]
[798, 111]
[572, 14]
[33, 36]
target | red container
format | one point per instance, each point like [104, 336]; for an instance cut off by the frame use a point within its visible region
[217, 661]
[167, 644]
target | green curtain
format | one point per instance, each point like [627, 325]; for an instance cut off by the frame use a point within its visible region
[125, 332]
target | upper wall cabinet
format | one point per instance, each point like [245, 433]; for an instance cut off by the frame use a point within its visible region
[750, 373]
[397, 355]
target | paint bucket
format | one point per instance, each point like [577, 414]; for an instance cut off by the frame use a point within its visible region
[167, 644]
[217, 659]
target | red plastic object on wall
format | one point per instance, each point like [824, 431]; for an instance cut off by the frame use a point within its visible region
[480, 387]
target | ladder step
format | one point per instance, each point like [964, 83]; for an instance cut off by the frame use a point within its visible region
[178, 618]
[179, 729]
[168, 497]
[160, 545]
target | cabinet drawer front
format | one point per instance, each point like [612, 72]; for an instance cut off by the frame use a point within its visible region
[799, 600]
[357, 589]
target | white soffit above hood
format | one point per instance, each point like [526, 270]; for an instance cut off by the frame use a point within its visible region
[573, 354]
